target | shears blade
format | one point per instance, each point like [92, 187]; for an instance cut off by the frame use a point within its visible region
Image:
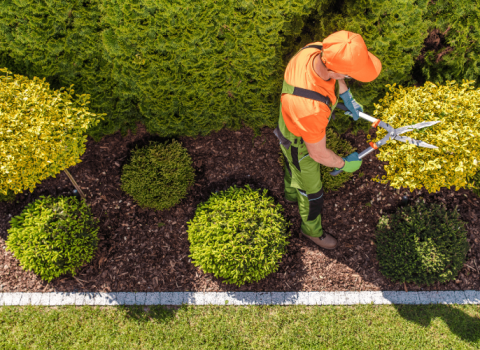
[415, 127]
[414, 142]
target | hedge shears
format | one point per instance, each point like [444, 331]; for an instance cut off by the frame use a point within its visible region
[392, 134]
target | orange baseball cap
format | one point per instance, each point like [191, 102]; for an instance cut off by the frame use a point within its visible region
[346, 53]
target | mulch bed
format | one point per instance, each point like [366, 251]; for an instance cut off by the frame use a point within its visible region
[136, 255]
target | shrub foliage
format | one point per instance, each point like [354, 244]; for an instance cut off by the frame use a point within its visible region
[239, 235]
[53, 236]
[457, 137]
[421, 244]
[158, 176]
[9, 197]
[61, 41]
[458, 54]
[41, 131]
[393, 31]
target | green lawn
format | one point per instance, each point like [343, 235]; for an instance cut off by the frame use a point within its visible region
[230, 327]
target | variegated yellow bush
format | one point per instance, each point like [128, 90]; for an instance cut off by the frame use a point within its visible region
[457, 137]
[41, 130]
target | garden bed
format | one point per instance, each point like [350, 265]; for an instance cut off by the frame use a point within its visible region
[135, 254]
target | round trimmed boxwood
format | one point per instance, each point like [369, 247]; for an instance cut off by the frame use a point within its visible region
[158, 176]
[53, 236]
[239, 235]
[421, 244]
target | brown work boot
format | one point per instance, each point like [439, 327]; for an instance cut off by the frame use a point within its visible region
[326, 241]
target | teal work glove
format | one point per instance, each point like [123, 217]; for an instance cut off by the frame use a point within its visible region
[353, 106]
[352, 163]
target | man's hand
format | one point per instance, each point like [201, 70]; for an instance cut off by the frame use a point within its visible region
[352, 163]
[353, 106]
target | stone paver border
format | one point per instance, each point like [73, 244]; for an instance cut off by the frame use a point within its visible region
[240, 298]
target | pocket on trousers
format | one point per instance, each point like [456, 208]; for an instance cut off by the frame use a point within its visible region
[315, 202]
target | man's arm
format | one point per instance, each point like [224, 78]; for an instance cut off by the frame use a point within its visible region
[319, 151]
[321, 154]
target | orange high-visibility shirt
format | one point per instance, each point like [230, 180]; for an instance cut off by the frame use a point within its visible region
[304, 117]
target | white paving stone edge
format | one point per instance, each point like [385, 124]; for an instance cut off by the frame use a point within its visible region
[240, 298]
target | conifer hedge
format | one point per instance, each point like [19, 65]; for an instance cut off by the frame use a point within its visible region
[198, 65]
[60, 40]
[393, 31]
[458, 57]
[189, 67]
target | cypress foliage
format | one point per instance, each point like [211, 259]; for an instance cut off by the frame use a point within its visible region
[60, 40]
[198, 65]
[457, 55]
[393, 30]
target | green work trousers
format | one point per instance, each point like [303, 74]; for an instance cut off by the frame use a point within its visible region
[303, 183]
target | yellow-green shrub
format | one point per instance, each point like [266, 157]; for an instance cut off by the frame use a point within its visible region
[41, 131]
[457, 137]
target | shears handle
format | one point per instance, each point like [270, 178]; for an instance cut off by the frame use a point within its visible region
[360, 156]
[372, 147]
[362, 115]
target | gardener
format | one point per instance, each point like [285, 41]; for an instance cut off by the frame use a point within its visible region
[314, 79]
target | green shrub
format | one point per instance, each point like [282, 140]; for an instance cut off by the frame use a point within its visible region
[393, 31]
[61, 41]
[344, 122]
[457, 54]
[238, 235]
[42, 131]
[53, 236]
[9, 197]
[199, 65]
[457, 137]
[158, 176]
[422, 244]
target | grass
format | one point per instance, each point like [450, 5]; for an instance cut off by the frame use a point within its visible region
[252, 327]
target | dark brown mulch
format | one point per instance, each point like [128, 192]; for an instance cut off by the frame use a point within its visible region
[136, 255]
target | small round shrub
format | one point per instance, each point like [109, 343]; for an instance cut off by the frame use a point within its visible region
[158, 176]
[238, 235]
[53, 236]
[9, 197]
[421, 244]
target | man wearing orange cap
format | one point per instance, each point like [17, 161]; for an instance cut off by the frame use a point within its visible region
[313, 82]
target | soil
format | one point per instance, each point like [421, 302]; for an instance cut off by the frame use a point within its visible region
[136, 255]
